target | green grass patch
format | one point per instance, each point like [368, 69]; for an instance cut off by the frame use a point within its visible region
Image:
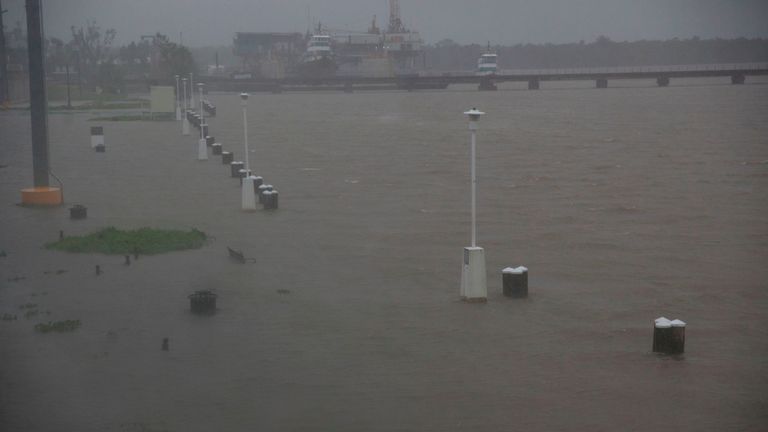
[144, 241]
[58, 326]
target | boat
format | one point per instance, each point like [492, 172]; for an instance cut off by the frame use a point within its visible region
[318, 60]
[487, 64]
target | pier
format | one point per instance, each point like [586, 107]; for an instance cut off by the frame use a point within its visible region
[662, 76]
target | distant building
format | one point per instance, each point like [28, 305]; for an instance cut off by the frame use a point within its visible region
[268, 55]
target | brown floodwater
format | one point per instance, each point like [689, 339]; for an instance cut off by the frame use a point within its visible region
[626, 204]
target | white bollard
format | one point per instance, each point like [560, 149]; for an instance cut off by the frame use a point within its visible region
[473, 279]
[202, 150]
[248, 197]
[97, 136]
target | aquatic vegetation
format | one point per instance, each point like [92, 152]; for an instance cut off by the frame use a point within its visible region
[58, 326]
[144, 241]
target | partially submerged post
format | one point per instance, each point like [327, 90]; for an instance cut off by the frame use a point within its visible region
[203, 302]
[515, 282]
[42, 193]
[662, 335]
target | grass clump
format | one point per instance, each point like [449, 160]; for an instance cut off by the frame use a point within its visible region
[144, 241]
[58, 326]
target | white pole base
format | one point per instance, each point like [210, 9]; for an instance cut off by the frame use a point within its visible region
[473, 279]
[178, 113]
[202, 150]
[248, 194]
[185, 126]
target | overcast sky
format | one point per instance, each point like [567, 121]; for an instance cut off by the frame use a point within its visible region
[213, 22]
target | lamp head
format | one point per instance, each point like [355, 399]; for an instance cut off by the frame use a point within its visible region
[474, 114]
[243, 99]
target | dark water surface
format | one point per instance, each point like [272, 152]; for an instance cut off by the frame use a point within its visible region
[626, 204]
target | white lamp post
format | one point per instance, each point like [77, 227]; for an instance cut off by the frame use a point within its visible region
[178, 103]
[473, 278]
[248, 192]
[202, 148]
[191, 91]
[184, 120]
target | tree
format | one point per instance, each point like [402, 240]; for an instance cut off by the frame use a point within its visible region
[174, 59]
[93, 46]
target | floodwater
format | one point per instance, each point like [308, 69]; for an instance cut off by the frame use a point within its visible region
[626, 204]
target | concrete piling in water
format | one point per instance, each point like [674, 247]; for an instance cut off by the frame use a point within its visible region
[677, 339]
[209, 140]
[227, 158]
[260, 192]
[235, 168]
[78, 212]
[601, 83]
[98, 270]
[662, 81]
[165, 345]
[662, 335]
[216, 149]
[738, 79]
[515, 282]
[534, 84]
[273, 200]
[267, 201]
[243, 173]
[61, 234]
[202, 302]
[668, 336]
[257, 181]
[127, 260]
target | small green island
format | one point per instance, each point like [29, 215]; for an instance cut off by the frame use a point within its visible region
[144, 241]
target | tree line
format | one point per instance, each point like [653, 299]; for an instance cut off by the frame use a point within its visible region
[91, 55]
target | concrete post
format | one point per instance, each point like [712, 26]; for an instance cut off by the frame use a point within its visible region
[515, 282]
[601, 83]
[227, 157]
[534, 84]
[216, 149]
[235, 168]
[662, 335]
[677, 340]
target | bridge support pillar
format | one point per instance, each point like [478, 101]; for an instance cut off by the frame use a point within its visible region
[487, 85]
[534, 84]
[662, 81]
[601, 83]
[738, 79]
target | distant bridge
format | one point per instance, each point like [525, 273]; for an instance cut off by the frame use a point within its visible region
[662, 75]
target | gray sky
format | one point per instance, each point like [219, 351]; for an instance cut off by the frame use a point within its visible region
[213, 22]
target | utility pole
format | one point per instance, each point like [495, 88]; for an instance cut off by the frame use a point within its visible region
[41, 193]
[4, 96]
